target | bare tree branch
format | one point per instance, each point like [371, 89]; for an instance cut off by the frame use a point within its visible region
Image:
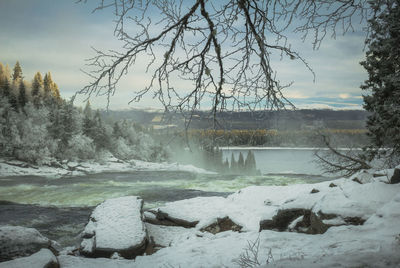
[335, 161]
[224, 50]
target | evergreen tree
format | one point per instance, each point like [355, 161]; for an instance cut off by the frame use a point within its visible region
[68, 124]
[17, 74]
[55, 92]
[383, 66]
[117, 132]
[13, 101]
[22, 99]
[94, 129]
[37, 85]
[2, 71]
[6, 88]
[47, 84]
[88, 110]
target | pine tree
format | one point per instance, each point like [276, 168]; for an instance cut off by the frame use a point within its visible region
[47, 84]
[17, 74]
[6, 88]
[2, 70]
[383, 66]
[117, 132]
[55, 92]
[37, 84]
[22, 99]
[88, 110]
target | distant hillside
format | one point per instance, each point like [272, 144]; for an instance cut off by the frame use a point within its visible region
[280, 120]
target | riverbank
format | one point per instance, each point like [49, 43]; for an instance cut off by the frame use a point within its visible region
[339, 223]
[56, 169]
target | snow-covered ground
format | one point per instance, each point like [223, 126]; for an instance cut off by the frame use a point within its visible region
[111, 164]
[362, 221]
[376, 243]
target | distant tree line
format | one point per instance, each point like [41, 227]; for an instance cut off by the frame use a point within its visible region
[38, 126]
[272, 137]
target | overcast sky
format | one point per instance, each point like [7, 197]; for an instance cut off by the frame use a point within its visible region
[57, 36]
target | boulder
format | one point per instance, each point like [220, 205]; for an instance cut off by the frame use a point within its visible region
[222, 225]
[314, 191]
[306, 221]
[363, 176]
[282, 219]
[16, 242]
[42, 259]
[115, 226]
[395, 177]
[158, 217]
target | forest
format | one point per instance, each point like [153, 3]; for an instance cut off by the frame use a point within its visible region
[39, 127]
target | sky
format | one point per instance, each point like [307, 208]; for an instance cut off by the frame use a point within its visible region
[58, 36]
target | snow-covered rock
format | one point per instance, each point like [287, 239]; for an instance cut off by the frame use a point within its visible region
[16, 241]
[42, 259]
[276, 207]
[375, 243]
[115, 226]
[166, 236]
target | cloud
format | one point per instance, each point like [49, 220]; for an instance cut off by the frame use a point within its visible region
[344, 95]
[56, 36]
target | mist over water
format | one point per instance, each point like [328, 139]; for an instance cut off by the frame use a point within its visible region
[279, 160]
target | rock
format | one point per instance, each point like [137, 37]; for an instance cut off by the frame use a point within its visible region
[306, 221]
[158, 217]
[395, 177]
[166, 236]
[282, 219]
[222, 225]
[363, 176]
[42, 259]
[320, 222]
[317, 226]
[332, 185]
[115, 226]
[16, 242]
[314, 191]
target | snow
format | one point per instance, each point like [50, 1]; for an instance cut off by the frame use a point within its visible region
[111, 164]
[20, 241]
[116, 224]
[252, 204]
[170, 235]
[375, 243]
[41, 259]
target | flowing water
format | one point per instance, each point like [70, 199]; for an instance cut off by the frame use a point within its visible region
[60, 207]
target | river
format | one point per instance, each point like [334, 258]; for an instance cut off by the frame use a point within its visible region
[60, 207]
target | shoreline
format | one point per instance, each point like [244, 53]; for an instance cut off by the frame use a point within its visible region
[12, 167]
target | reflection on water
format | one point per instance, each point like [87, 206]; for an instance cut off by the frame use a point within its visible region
[279, 160]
